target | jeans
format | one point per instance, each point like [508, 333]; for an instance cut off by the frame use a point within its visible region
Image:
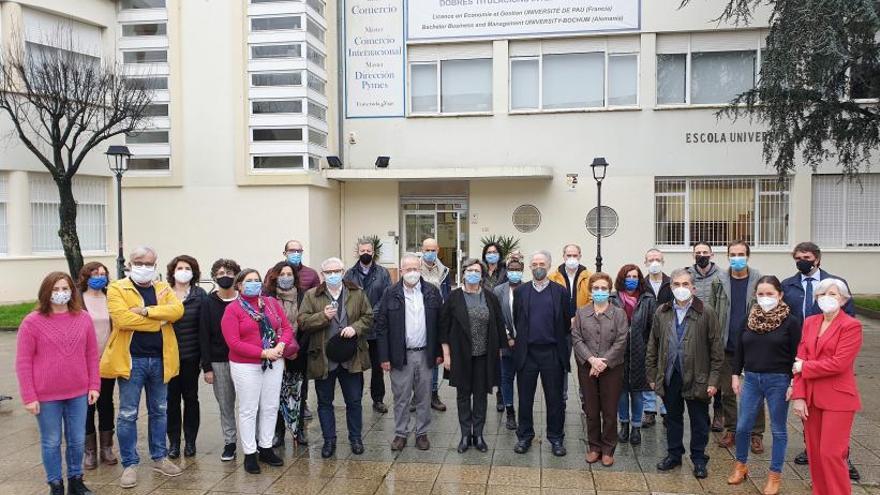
[72, 414]
[755, 388]
[649, 402]
[630, 401]
[185, 387]
[698, 411]
[352, 385]
[104, 407]
[435, 379]
[146, 374]
[508, 372]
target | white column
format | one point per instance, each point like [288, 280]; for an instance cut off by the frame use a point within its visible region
[18, 214]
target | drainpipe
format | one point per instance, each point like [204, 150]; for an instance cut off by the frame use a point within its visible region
[340, 113]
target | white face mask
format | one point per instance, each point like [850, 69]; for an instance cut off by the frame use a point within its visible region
[142, 274]
[828, 304]
[767, 303]
[411, 278]
[61, 297]
[572, 263]
[183, 276]
[682, 294]
[655, 267]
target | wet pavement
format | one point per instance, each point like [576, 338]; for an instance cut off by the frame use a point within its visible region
[440, 470]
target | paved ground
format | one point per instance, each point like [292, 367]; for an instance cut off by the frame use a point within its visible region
[440, 470]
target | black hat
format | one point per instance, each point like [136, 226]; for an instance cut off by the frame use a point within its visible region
[339, 349]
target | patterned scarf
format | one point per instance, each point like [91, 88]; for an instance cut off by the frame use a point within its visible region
[267, 333]
[761, 321]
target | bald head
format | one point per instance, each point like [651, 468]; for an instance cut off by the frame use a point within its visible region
[430, 244]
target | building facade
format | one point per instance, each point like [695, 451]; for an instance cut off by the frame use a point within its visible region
[487, 114]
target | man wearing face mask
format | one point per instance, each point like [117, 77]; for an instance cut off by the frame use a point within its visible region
[683, 363]
[659, 283]
[142, 355]
[703, 270]
[306, 277]
[543, 346]
[504, 293]
[732, 296]
[438, 275]
[374, 279]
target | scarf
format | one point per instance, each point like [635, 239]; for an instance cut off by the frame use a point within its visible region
[629, 304]
[761, 321]
[267, 333]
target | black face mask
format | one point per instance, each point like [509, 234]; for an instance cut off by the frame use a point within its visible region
[366, 259]
[702, 261]
[225, 282]
[805, 266]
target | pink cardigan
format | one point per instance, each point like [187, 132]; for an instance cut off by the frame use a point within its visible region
[242, 333]
[57, 357]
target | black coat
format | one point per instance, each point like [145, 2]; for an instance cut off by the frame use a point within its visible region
[561, 323]
[374, 283]
[389, 323]
[455, 331]
[187, 327]
[635, 379]
[214, 348]
[664, 295]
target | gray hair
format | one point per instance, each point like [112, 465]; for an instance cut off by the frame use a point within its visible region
[142, 251]
[363, 241]
[571, 244]
[409, 256]
[826, 284]
[328, 261]
[471, 262]
[654, 250]
[682, 272]
[543, 252]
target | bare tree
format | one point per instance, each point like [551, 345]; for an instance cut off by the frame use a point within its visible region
[62, 104]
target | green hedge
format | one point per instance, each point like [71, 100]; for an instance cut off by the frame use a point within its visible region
[868, 302]
[12, 314]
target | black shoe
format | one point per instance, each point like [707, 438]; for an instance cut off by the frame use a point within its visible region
[300, 438]
[464, 444]
[75, 486]
[665, 423]
[380, 407]
[499, 402]
[801, 459]
[174, 451]
[701, 471]
[270, 457]
[649, 420]
[189, 449]
[635, 437]
[558, 449]
[56, 488]
[357, 447]
[228, 452]
[480, 444]
[250, 464]
[328, 449]
[278, 441]
[623, 434]
[510, 424]
[436, 403]
[668, 463]
[853, 472]
[522, 446]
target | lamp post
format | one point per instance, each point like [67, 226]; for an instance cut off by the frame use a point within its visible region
[117, 159]
[598, 166]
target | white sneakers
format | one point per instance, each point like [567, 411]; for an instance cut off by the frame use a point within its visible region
[164, 466]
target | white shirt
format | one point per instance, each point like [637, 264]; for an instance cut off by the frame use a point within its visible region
[656, 286]
[540, 286]
[510, 303]
[571, 281]
[416, 332]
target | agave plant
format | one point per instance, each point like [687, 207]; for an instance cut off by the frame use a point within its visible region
[508, 243]
[377, 243]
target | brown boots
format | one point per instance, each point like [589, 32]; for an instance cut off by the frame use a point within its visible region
[739, 474]
[90, 453]
[107, 455]
[774, 480]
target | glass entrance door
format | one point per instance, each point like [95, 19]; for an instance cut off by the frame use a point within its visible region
[442, 219]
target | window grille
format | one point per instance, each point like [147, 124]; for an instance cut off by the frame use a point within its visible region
[91, 218]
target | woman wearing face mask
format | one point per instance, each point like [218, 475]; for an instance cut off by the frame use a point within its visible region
[599, 341]
[637, 300]
[92, 284]
[826, 396]
[257, 332]
[764, 354]
[281, 284]
[471, 334]
[184, 271]
[496, 270]
[57, 366]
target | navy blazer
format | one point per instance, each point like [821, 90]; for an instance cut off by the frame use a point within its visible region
[561, 323]
[793, 295]
[389, 323]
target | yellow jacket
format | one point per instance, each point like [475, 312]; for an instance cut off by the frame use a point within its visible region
[584, 295]
[121, 297]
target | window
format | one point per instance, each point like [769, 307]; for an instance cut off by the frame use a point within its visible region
[715, 77]
[292, 134]
[524, 83]
[526, 218]
[623, 80]
[317, 84]
[152, 29]
[147, 83]
[865, 81]
[317, 111]
[276, 106]
[142, 4]
[147, 137]
[276, 23]
[671, 78]
[145, 57]
[846, 213]
[315, 29]
[462, 86]
[573, 80]
[317, 5]
[276, 79]
[425, 94]
[156, 110]
[91, 220]
[314, 162]
[40, 55]
[4, 198]
[139, 163]
[278, 161]
[719, 210]
[318, 138]
[287, 50]
[315, 56]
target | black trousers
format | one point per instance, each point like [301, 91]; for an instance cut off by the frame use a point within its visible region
[377, 376]
[104, 406]
[543, 361]
[184, 387]
[698, 411]
[472, 399]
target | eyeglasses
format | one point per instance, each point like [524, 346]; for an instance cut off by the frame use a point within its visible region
[291, 251]
[333, 272]
[141, 264]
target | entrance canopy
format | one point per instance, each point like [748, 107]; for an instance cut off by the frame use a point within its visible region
[427, 174]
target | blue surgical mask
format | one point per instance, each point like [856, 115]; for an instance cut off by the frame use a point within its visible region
[252, 288]
[514, 277]
[334, 279]
[739, 263]
[473, 278]
[492, 258]
[600, 296]
[97, 283]
[429, 256]
[631, 284]
[295, 259]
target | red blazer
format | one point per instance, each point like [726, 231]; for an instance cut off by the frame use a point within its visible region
[827, 379]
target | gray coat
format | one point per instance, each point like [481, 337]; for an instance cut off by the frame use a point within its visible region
[703, 283]
[502, 292]
[719, 299]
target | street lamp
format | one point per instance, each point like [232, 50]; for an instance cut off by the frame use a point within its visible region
[599, 165]
[117, 159]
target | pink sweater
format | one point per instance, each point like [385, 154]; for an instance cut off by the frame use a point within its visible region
[57, 357]
[242, 333]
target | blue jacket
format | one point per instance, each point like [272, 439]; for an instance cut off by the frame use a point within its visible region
[561, 323]
[793, 295]
[389, 324]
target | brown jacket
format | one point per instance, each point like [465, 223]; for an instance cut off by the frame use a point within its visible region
[600, 335]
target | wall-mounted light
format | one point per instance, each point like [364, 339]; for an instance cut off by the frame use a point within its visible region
[383, 161]
[334, 162]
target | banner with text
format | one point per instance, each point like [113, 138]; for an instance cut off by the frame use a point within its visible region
[434, 20]
[374, 58]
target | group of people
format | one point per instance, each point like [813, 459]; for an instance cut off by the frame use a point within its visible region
[697, 334]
